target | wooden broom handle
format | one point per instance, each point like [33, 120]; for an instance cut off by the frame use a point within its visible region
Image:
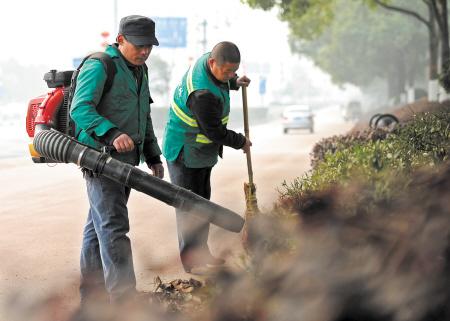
[247, 134]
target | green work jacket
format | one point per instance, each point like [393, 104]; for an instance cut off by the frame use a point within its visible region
[122, 107]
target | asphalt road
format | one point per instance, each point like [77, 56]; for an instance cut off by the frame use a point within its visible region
[43, 209]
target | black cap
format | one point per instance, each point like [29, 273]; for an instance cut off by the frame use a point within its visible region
[138, 30]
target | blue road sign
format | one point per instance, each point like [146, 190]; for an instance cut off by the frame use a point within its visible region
[76, 62]
[171, 31]
[262, 85]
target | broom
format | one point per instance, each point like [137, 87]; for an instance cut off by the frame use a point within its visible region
[249, 188]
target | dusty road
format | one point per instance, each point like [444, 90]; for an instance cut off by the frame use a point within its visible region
[43, 210]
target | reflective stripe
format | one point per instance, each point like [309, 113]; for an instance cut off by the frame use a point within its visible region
[189, 120]
[189, 85]
[182, 115]
[202, 139]
[190, 88]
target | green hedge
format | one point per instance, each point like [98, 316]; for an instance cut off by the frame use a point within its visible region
[422, 142]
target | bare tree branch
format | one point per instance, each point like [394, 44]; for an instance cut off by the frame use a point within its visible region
[427, 2]
[404, 11]
[437, 14]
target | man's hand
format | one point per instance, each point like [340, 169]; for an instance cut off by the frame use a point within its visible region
[157, 170]
[123, 143]
[243, 81]
[246, 147]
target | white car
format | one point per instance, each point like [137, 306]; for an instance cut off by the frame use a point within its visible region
[353, 111]
[298, 117]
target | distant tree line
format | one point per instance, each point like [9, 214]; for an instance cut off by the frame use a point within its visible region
[20, 82]
[359, 41]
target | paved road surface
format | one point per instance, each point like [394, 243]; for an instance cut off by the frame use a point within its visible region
[43, 209]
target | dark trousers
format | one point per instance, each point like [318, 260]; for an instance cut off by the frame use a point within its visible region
[106, 259]
[192, 230]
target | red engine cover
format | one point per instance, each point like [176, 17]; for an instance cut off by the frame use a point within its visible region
[43, 109]
[33, 107]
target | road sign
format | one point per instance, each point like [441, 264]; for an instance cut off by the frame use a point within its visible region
[77, 61]
[171, 31]
[262, 85]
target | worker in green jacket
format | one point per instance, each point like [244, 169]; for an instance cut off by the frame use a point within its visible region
[121, 118]
[195, 134]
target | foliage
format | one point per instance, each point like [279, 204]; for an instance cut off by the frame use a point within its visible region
[380, 163]
[353, 43]
[307, 18]
[361, 45]
[333, 143]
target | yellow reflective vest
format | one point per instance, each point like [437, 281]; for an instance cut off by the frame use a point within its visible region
[182, 131]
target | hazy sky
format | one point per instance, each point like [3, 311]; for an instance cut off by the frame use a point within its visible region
[55, 31]
[51, 33]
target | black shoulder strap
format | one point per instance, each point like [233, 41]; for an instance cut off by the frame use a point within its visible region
[110, 69]
[108, 64]
[146, 70]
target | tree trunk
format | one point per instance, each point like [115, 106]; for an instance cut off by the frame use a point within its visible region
[433, 46]
[431, 23]
[411, 71]
[397, 81]
[433, 83]
[433, 62]
[441, 17]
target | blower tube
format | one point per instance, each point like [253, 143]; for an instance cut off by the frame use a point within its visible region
[62, 148]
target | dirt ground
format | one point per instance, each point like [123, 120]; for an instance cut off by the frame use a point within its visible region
[43, 209]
